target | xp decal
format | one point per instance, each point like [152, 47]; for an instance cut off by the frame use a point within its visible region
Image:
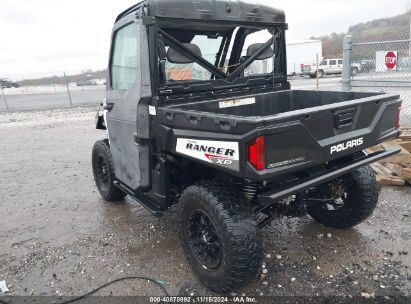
[347, 145]
[221, 153]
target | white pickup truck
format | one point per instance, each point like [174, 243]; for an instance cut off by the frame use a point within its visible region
[330, 67]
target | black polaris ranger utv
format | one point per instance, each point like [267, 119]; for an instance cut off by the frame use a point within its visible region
[199, 113]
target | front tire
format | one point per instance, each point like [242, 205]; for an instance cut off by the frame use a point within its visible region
[103, 171]
[357, 202]
[320, 73]
[220, 239]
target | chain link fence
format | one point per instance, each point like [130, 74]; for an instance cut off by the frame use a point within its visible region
[381, 66]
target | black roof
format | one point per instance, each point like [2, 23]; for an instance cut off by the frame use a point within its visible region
[209, 10]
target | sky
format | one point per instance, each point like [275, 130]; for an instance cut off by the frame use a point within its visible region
[47, 37]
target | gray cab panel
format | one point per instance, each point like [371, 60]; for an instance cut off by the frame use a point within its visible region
[127, 92]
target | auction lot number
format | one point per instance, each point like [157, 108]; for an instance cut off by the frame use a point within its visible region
[202, 300]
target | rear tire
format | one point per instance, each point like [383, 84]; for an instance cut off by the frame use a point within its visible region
[354, 72]
[103, 171]
[220, 239]
[361, 198]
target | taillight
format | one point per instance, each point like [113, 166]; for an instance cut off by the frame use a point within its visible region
[256, 153]
[399, 117]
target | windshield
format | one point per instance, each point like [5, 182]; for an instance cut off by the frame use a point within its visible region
[188, 56]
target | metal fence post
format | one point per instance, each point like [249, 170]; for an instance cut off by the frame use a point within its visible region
[68, 90]
[316, 73]
[347, 62]
[4, 99]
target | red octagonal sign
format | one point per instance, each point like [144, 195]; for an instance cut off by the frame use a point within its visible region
[391, 60]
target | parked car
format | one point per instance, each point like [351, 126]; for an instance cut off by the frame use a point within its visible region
[7, 84]
[232, 150]
[332, 67]
[99, 81]
[367, 65]
[86, 83]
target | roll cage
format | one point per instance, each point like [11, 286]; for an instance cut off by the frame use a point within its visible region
[165, 35]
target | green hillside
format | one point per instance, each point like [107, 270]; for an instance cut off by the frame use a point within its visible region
[397, 27]
[394, 28]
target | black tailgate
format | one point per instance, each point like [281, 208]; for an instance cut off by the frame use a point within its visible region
[330, 132]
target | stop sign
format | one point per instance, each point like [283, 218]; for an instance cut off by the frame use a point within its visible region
[391, 60]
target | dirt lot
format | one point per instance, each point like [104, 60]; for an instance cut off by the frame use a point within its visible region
[58, 237]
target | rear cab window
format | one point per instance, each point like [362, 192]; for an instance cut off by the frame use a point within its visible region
[209, 47]
[261, 65]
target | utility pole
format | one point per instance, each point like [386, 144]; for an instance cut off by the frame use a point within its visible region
[318, 79]
[68, 90]
[409, 47]
[4, 99]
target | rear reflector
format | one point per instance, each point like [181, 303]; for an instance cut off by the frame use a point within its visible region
[398, 126]
[256, 153]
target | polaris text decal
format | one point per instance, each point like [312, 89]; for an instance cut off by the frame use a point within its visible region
[221, 153]
[347, 145]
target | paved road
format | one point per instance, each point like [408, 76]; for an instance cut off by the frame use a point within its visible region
[91, 96]
[46, 101]
[327, 83]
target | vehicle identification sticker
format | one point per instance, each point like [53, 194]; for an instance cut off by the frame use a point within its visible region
[221, 153]
[236, 102]
[152, 111]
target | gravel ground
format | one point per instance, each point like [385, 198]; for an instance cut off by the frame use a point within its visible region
[58, 237]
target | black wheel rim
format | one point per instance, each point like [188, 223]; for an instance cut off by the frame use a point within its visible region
[102, 173]
[204, 239]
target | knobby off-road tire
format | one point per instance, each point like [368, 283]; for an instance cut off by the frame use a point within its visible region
[220, 238]
[361, 201]
[103, 171]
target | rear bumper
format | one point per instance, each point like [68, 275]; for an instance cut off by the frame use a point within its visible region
[274, 195]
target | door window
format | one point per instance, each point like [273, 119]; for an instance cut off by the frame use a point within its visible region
[124, 63]
[333, 62]
[340, 62]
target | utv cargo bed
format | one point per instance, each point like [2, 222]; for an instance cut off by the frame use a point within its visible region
[300, 128]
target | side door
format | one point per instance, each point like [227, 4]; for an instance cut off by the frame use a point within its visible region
[324, 66]
[332, 66]
[123, 95]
